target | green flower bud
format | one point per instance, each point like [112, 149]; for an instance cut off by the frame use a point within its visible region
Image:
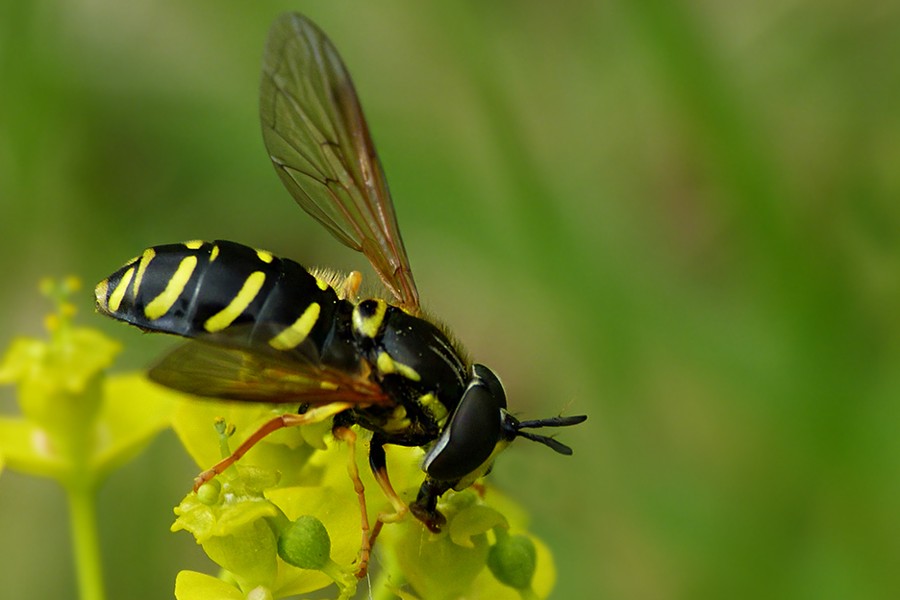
[512, 560]
[305, 544]
[208, 493]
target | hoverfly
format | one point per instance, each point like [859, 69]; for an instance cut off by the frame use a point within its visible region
[267, 329]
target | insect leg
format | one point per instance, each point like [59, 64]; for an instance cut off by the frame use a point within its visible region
[378, 463]
[348, 435]
[425, 505]
[350, 287]
[313, 415]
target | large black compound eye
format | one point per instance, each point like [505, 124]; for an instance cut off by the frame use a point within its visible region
[493, 382]
[470, 435]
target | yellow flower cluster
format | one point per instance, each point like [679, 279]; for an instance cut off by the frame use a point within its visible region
[284, 520]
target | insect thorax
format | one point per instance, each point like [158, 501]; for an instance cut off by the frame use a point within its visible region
[416, 364]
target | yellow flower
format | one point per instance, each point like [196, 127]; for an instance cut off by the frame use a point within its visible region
[77, 423]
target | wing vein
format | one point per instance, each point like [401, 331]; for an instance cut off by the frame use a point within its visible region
[318, 140]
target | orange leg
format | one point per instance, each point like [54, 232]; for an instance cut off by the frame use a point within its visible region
[314, 415]
[400, 508]
[348, 435]
[350, 287]
[378, 462]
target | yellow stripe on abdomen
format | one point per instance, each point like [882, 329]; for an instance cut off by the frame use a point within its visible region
[238, 305]
[115, 298]
[146, 257]
[162, 303]
[293, 335]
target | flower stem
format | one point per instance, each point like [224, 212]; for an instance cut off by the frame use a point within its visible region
[85, 544]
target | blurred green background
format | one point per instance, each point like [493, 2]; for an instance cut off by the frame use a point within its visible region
[681, 219]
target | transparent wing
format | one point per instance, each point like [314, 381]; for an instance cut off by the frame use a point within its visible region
[206, 367]
[318, 140]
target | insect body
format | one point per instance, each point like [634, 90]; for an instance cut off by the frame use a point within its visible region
[266, 329]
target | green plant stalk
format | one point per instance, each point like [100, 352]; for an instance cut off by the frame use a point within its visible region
[85, 542]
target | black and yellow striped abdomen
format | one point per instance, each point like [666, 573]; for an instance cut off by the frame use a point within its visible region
[198, 288]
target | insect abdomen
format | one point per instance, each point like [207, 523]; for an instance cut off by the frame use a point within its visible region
[200, 288]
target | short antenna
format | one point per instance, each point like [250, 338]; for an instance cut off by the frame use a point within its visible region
[515, 427]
